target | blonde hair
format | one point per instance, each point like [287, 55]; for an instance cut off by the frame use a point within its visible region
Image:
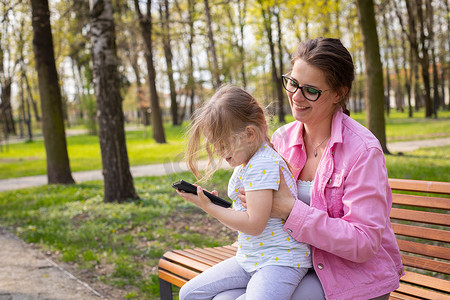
[225, 115]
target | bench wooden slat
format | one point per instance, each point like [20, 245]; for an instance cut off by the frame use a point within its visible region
[177, 269]
[204, 255]
[196, 257]
[420, 186]
[428, 281]
[174, 279]
[423, 249]
[223, 251]
[421, 232]
[426, 264]
[398, 296]
[420, 216]
[186, 261]
[226, 251]
[232, 248]
[213, 253]
[421, 201]
[420, 292]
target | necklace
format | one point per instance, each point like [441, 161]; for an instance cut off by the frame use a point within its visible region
[315, 149]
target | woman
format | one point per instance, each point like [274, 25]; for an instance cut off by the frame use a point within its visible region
[343, 191]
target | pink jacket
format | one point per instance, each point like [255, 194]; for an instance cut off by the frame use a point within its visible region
[355, 254]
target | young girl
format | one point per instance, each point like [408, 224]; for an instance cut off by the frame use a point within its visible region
[268, 263]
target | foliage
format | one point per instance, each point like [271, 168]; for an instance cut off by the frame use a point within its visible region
[299, 21]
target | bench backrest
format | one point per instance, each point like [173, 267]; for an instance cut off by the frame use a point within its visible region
[421, 223]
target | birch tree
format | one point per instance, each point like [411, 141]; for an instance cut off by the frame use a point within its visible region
[118, 182]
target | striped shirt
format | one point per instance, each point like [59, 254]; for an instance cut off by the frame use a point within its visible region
[273, 246]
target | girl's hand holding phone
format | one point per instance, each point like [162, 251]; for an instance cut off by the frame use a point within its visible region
[200, 199]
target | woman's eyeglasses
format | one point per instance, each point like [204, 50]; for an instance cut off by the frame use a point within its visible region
[308, 92]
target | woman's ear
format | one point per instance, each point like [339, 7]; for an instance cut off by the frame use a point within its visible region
[342, 91]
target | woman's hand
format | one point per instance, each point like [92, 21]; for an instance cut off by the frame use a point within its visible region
[282, 203]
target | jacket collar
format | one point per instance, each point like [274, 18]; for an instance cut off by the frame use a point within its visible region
[295, 135]
[336, 127]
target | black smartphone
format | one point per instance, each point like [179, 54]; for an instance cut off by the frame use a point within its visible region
[189, 188]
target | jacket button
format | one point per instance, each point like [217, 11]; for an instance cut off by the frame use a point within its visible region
[400, 272]
[289, 230]
[320, 266]
[330, 181]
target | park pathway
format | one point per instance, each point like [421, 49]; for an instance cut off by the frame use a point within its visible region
[26, 274]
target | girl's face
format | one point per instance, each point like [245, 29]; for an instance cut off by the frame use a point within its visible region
[308, 112]
[236, 151]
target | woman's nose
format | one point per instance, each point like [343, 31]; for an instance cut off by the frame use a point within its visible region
[297, 96]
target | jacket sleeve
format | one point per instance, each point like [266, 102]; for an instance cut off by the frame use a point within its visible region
[357, 235]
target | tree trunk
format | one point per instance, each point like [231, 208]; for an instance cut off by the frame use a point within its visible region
[5, 107]
[58, 167]
[447, 67]
[414, 9]
[212, 48]
[141, 107]
[146, 25]
[25, 107]
[21, 109]
[78, 86]
[6, 79]
[386, 58]
[279, 85]
[165, 18]
[267, 19]
[116, 170]
[399, 93]
[191, 79]
[241, 15]
[430, 23]
[374, 91]
[28, 116]
[33, 103]
[424, 60]
[408, 80]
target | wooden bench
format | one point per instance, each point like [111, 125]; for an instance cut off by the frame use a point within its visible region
[421, 223]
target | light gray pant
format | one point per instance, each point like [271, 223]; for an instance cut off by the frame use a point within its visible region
[269, 282]
[309, 288]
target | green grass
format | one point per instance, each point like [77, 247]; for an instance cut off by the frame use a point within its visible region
[401, 128]
[126, 239]
[27, 159]
[422, 164]
[120, 244]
